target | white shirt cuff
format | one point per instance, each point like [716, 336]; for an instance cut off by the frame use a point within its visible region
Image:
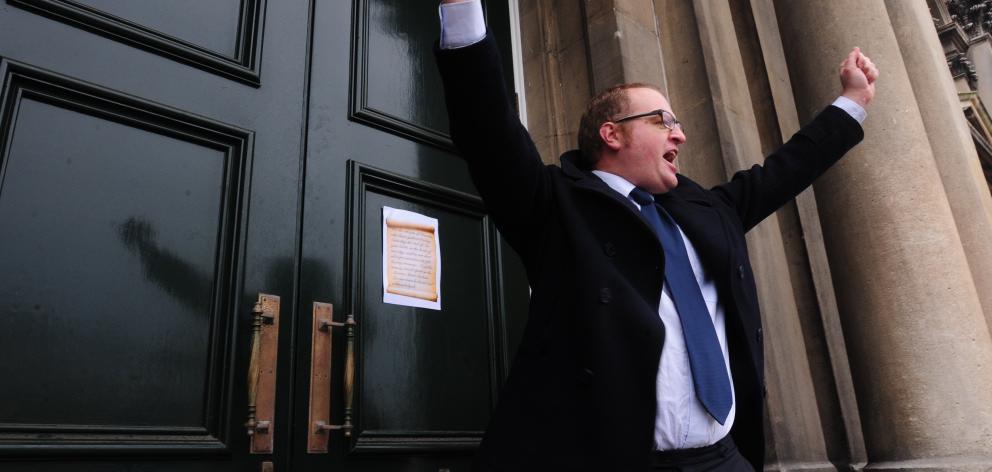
[852, 108]
[462, 24]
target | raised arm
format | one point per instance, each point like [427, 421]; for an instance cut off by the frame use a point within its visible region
[502, 159]
[762, 189]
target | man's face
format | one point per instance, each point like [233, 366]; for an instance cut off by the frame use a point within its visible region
[649, 149]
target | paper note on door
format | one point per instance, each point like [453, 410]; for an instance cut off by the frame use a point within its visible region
[411, 259]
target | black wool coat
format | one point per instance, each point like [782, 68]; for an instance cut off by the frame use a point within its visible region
[581, 392]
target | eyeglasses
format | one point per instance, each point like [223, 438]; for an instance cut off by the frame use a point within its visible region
[667, 119]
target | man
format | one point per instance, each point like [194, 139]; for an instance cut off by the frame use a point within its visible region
[643, 347]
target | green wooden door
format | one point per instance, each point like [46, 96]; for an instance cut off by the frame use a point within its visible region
[164, 163]
[425, 380]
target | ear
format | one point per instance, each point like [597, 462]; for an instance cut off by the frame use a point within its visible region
[612, 135]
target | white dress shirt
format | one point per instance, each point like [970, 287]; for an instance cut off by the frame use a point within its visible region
[681, 421]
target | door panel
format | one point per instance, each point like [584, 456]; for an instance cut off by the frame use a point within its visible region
[427, 377]
[78, 240]
[218, 36]
[210, 25]
[395, 82]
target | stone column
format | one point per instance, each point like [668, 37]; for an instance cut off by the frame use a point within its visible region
[795, 431]
[829, 365]
[950, 139]
[623, 43]
[689, 91]
[556, 73]
[921, 354]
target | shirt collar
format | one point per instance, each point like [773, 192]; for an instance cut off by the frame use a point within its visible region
[617, 183]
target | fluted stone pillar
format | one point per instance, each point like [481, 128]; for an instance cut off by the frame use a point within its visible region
[920, 351]
[623, 43]
[689, 91]
[950, 139]
[795, 430]
[556, 73]
[829, 364]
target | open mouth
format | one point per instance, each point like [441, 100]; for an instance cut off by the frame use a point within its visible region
[671, 155]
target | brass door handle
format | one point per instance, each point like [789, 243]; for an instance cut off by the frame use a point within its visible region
[262, 373]
[320, 371]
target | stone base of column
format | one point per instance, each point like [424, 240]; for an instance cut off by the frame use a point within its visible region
[935, 464]
[819, 466]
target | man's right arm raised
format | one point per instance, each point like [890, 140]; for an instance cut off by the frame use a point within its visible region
[485, 127]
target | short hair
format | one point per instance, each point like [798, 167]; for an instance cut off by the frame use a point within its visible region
[605, 106]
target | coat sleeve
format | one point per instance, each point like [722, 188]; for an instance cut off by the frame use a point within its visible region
[757, 192]
[502, 159]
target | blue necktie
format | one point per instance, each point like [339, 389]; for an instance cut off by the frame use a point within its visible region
[709, 372]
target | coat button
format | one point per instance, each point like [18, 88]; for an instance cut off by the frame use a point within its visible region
[610, 249]
[759, 336]
[740, 271]
[605, 296]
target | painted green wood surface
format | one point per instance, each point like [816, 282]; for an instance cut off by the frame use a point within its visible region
[158, 173]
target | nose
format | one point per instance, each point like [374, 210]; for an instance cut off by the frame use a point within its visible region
[677, 136]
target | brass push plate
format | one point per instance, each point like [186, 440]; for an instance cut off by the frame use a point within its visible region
[265, 394]
[320, 383]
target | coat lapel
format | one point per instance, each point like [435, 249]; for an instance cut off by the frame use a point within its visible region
[694, 214]
[703, 226]
[589, 181]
